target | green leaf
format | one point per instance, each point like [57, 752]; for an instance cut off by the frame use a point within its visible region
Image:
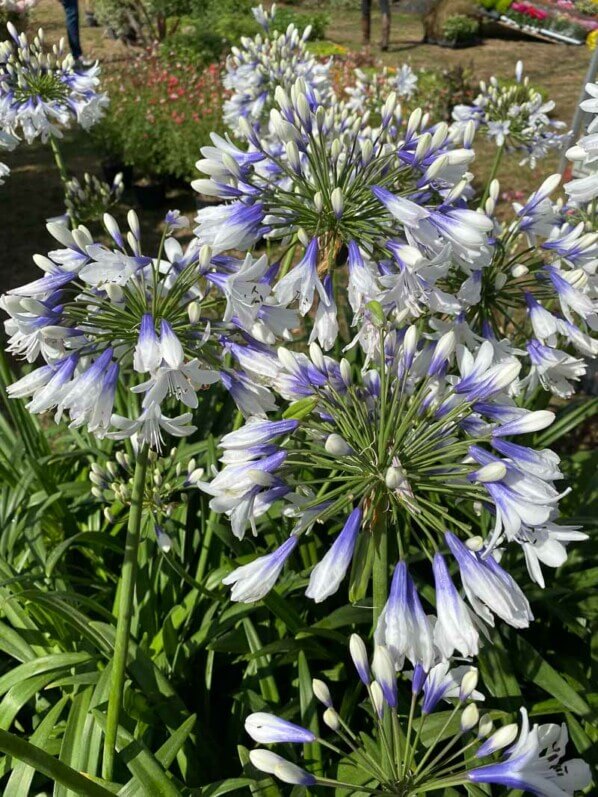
[22, 775]
[141, 763]
[60, 773]
[73, 749]
[538, 670]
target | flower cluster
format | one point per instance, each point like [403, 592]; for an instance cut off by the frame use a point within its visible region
[390, 758]
[338, 188]
[584, 190]
[514, 115]
[99, 312]
[169, 478]
[370, 90]
[414, 447]
[262, 64]
[42, 91]
[89, 200]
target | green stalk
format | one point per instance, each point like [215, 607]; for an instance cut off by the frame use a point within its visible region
[125, 612]
[380, 566]
[493, 173]
[62, 170]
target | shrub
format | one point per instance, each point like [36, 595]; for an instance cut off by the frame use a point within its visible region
[166, 111]
[318, 22]
[459, 28]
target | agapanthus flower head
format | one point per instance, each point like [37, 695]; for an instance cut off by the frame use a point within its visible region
[394, 761]
[100, 312]
[89, 199]
[171, 475]
[336, 189]
[370, 89]
[260, 65]
[410, 446]
[514, 115]
[535, 296]
[42, 91]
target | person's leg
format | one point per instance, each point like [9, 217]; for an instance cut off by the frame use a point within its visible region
[385, 11]
[366, 9]
[71, 9]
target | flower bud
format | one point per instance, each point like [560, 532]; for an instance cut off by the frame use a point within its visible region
[377, 698]
[485, 726]
[345, 369]
[336, 446]
[384, 672]
[468, 683]
[331, 719]
[321, 692]
[337, 201]
[503, 737]
[360, 658]
[193, 311]
[475, 543]
[519, 270]
[115, 292]
[493, 472]
[500, 281]
[205, 255]
[469, 717]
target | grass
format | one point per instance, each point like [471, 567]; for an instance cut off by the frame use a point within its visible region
[33, 192]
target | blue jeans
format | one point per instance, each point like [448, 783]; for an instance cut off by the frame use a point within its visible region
[71, 9]
[366, 7]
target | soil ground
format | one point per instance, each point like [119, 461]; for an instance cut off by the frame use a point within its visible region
[33, 192]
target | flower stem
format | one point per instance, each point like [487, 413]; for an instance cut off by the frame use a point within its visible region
[495, 166]
[125, 612]
[380, 567]
[62, 170]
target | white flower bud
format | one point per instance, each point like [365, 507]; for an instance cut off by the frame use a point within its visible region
[503, 737]
[111, 226]
[331, 719]
[469, 133]
[336, 198]
[519, 270]
[321, 692]
[345, 369]
[377, 698]
[500, 281]
[494, 190]
[475, 543]
[315, 352]
[205, 255]
[493, 472]
[193, 311]
[468, 683]
[133, 222]
[469, 717]
[336, 446]
[293, 156]
[318, 202]
[303, 236]
[485, 726]
[413, 122]
[359, 655]
[436, 167]
[489, 207]
[115, 292]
